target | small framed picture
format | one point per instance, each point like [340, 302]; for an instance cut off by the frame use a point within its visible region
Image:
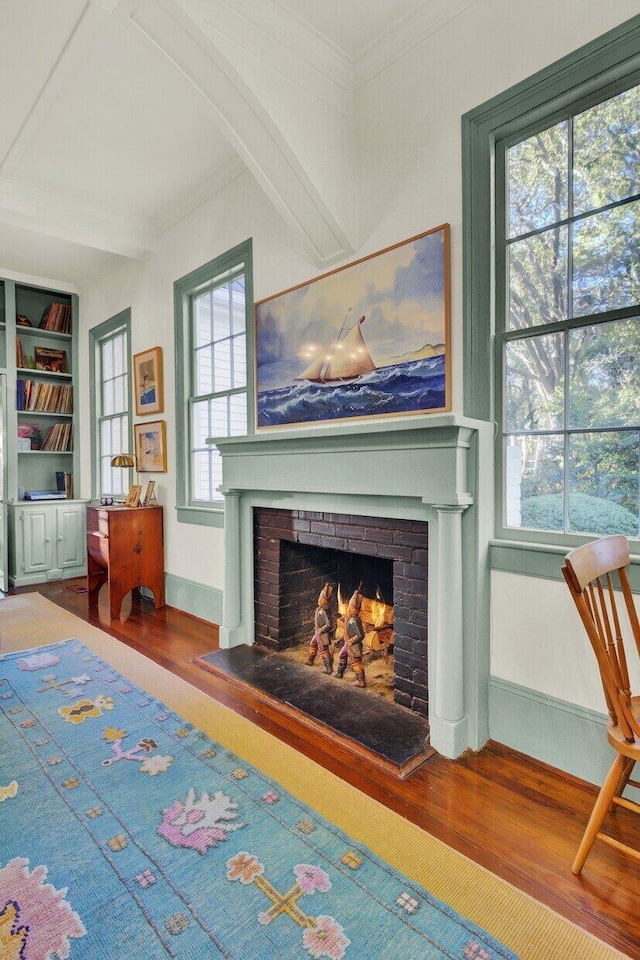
[151, 446]
[147, 378]
[149, 497]
[133, 500]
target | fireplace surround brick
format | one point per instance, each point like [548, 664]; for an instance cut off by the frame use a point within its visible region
[295, 549]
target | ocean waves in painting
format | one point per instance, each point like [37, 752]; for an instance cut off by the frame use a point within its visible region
[402, 388]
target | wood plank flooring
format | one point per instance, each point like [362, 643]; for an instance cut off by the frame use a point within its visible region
[519, 818]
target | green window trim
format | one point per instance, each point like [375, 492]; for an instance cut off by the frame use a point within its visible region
[185, 288]
[96, 334]
[606, 64]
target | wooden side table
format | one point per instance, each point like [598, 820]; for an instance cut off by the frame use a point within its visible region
[125, 547]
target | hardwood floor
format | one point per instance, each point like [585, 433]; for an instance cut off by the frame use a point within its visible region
[519, 818]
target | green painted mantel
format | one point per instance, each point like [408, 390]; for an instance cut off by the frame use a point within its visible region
[431, 468]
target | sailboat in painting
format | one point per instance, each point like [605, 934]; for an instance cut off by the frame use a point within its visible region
[345, 358]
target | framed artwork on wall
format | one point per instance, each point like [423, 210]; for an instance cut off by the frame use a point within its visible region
[147, 379]
[370, 339]
[151, 446]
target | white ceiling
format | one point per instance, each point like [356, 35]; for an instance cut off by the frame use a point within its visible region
[118, 116]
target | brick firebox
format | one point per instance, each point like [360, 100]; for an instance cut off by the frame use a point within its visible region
[295, 550]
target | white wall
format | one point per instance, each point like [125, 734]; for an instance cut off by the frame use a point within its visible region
[408, 131]
[193, 552]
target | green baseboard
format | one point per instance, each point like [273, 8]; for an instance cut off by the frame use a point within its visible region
[562, 734]
[194, 598]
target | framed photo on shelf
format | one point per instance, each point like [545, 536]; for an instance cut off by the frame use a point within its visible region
[149, 497]
[54, 361]
[147, 379]
[369, 339]
[133, 499]
[151, 446]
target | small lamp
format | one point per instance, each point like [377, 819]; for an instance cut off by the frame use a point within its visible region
[127, 460]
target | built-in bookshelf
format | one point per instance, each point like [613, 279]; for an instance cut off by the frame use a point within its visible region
[38, 371]
[39, 337]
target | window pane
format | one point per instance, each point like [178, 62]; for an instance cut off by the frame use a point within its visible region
[538, 279]
[201, 475]
[604, 374]
[537, 180]
[108, 401]
[222, 365]
[534, 482]
[238, 306]
[202, 318]
[204, 371]
[603, 483]
[534, 383]
[221, 312]
[238, 414]
[606, 158]
[119, 397]
[119, 360]
[606, 248]
[219, 417]
[216, 476]
[240, 361]
[107, 359]
[201, 423]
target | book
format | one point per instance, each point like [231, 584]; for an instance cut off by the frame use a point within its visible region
[48, 359]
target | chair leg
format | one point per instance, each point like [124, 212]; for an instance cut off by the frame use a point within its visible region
[601, 808]
[626, 773]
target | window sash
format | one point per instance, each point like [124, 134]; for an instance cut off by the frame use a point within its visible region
[504, 335]
[205, 463]
[112, 481]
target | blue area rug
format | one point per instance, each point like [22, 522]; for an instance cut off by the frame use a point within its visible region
[125, 832]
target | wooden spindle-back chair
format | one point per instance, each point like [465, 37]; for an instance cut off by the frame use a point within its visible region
[590, 571]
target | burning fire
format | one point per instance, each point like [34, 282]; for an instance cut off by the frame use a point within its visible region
[376, 616]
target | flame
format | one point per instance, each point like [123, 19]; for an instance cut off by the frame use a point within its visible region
[342, 603]
[381, 613]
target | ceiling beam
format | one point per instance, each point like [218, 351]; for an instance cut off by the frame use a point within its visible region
[249, 126]
[58, 215]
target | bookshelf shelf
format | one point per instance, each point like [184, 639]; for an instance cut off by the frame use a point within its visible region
[44, 413]
[46, 453]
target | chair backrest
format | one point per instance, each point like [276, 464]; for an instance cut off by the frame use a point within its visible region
[589, 572]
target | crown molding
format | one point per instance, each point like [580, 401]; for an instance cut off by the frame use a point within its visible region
[409, 32]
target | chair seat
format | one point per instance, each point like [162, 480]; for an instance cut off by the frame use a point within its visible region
[616, 739]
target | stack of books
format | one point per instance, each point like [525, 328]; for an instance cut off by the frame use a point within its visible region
[59, 438]
[44, 397]
[57, 316]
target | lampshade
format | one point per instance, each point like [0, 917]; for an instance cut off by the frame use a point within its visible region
[124, 460]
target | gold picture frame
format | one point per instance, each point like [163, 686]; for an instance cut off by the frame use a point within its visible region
[147, 379]
[368, 339]
[149, 498]
[133, 498]
[151, 446]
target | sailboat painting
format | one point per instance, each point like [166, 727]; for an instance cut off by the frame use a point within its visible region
[370, 339]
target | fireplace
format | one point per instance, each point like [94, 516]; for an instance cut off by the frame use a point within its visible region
[297, 551]
[421, 475]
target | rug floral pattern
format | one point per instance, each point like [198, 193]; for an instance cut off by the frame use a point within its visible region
[126, 832]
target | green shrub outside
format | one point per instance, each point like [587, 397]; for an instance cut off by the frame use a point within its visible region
[586, 515]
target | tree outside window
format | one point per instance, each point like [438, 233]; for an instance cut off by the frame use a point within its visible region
[569, 348]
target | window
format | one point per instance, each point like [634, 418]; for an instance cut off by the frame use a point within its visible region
[213, 310]
[111, 402]
[568, 326]
[551, 228]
